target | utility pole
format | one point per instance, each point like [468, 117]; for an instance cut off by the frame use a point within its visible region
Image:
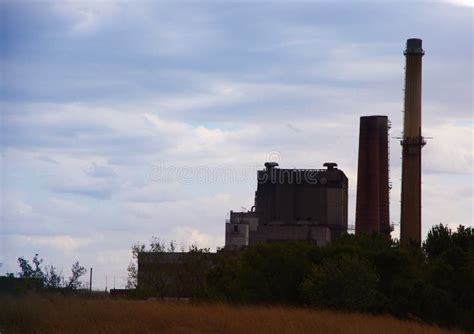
[90, 282]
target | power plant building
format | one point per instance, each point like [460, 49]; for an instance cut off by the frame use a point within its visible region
[292, 205]
[312, 204]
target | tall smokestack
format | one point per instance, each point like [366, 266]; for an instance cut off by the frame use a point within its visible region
[412, 143]
[372, 206]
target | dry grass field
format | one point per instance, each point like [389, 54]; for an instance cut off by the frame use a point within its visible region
[56, 314]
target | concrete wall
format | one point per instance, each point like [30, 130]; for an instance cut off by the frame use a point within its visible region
[249, 217]
[280, 233]
[236, 236]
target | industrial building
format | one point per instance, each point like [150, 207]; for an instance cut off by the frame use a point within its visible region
[292, 205]
[372, 204]
[311, 204]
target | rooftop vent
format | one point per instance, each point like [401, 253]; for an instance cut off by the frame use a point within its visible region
[270, 165]
[330, 165]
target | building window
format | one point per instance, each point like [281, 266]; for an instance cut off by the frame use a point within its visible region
[236, 228]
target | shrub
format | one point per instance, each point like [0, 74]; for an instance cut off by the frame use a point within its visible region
[344, 282]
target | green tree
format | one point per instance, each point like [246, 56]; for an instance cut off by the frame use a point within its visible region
[343, 282]
[438, 240]
[76, 272]
[273, 272]
[223, 278]
[132, 277]
[132, 269]
[190, 272]
[49, 274]
[52, 279]
[28, 271]
[450, 270]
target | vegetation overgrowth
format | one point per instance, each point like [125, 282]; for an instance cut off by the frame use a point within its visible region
[49, 313]
[369, 274]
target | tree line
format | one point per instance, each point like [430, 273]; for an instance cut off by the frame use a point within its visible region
[372, 274]
[49, 276]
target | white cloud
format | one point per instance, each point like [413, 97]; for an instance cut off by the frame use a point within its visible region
[87, 17]
[436, 208]
[62, 243]
[450, 150]
[463, 3]
[65, 207]
[114, 257]
[121, 88]
[13, 205]
[191, 236]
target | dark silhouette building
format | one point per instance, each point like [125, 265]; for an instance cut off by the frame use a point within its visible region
[372, 204]
[292, 205]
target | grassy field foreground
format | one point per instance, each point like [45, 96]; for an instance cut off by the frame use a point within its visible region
[56, 314]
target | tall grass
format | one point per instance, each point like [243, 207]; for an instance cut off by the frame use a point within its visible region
[57, 314]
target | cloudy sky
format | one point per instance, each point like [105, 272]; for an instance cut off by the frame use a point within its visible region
[126, 120]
